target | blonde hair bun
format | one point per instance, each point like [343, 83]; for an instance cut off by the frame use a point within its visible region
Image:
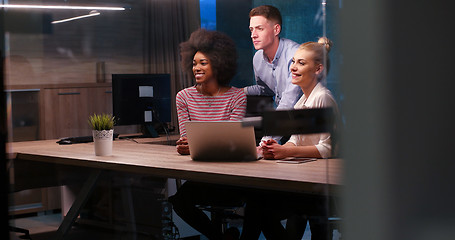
[326, 43]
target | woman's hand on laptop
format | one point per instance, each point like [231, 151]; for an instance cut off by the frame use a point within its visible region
[182, 146]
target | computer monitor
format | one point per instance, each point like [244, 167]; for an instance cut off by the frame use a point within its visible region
[256, 105]
[142, 99]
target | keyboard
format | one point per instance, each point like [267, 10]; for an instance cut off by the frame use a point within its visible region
[72, 140]
[80, 139]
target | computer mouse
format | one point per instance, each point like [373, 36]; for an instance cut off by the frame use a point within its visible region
[64, 142]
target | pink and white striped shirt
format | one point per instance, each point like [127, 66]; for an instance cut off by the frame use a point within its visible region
[194, 106]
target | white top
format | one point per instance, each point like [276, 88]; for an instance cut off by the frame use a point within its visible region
[320, 97]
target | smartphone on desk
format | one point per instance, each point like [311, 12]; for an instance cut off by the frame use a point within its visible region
[296, 160]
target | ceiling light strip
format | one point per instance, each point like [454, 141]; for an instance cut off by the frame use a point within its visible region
[61, 7]
[75, 18]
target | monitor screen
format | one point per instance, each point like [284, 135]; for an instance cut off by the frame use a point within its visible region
[256, 105]
[143, 99]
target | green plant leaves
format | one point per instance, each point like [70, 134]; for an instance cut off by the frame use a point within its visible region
[101, 121]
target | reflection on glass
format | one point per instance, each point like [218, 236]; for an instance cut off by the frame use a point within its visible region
[63, 73]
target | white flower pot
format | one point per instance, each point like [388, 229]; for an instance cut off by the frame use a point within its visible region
[103, 142]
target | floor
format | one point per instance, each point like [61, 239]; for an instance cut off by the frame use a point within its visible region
[42, 227]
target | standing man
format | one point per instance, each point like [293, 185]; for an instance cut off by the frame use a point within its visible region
[272, 60]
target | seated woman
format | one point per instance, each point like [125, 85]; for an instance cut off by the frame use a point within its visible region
[308, 70]
[211, 58]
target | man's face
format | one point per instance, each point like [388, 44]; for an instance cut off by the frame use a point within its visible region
[263, 32]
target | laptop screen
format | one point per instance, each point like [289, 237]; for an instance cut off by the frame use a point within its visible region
[221, 141]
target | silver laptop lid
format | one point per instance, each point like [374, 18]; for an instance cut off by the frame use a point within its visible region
[221, 141]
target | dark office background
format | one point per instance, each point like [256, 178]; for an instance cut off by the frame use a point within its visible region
[398, 84]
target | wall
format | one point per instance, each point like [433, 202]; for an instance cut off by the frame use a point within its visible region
[237, 28]
[70, 51]
[142, 39]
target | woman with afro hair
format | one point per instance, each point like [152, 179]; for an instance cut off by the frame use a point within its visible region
[210, 57]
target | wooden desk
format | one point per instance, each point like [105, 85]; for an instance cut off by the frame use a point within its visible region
[163, 161]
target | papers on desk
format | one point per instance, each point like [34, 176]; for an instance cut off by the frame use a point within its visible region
[296, 160]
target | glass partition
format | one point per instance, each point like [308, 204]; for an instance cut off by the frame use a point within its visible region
[58, 70]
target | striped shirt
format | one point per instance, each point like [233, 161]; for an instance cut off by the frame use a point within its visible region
[194, 106]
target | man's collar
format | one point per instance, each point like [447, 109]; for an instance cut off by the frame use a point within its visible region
[278, 52]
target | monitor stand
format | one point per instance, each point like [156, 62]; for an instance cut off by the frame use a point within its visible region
[149, 131]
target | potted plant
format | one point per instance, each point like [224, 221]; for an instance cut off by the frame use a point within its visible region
[103, 131]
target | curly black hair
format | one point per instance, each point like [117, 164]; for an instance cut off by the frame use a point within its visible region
[218, 47]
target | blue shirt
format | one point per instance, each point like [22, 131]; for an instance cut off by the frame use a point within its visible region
[274, 79]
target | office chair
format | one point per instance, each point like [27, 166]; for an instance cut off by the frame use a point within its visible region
[334, 217]
[20, 230]
[333, 220]
[14, 228]
[219, 215]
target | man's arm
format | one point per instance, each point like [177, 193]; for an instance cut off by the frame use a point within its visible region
[260, 89]
[290, 96]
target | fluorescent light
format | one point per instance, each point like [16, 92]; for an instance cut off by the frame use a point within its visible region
[91, 14]
[61, 7]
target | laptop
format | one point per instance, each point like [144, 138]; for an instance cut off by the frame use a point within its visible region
[221, 141]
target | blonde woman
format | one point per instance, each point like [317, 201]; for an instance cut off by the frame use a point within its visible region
[264, 213]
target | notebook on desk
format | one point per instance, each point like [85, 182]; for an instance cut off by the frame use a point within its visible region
[221, 141]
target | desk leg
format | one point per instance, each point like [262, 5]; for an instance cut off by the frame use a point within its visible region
[80, 201]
